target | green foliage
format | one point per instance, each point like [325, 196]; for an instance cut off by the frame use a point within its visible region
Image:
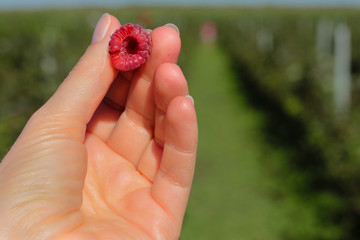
[37, 52]
[293, 86]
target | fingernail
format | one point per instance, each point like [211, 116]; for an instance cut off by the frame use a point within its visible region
[173, 26]
[191, 98]
[101, 28]
[148, 31]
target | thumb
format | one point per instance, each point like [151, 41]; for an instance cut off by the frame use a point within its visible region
[42, 176]
[86, 85]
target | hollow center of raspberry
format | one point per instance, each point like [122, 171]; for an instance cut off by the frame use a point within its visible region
[132, 46]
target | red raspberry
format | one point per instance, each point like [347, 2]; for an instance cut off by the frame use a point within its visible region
[129, 47]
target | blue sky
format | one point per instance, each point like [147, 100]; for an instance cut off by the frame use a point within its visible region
[40, 4]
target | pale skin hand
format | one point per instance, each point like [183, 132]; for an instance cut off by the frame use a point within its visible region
[122, 168]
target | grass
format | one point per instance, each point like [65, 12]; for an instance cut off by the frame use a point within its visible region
[230, 198]
[235, 195]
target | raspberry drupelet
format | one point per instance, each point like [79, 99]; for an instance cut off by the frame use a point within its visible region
[129, 47]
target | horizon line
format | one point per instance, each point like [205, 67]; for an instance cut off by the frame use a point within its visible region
[159, 5]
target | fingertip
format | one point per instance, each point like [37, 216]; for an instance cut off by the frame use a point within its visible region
[191, 98]
[173, 26]
[181, 130]
[183, 106]
[169, 83]
[168, 32]
[169, 67]
[113, 26]
[115, 22]
[101, 28]
[165, 41]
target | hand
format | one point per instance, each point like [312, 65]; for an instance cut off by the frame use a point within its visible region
[111, 155]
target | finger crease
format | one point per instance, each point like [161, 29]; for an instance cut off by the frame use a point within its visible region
[178, 149]
[145, 176]
[167, 211]
[146, 118]
[113, 104]
[146, 78]
[171, 177]
[159, 142]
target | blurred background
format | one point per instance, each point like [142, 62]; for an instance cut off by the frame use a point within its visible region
[277, 91]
